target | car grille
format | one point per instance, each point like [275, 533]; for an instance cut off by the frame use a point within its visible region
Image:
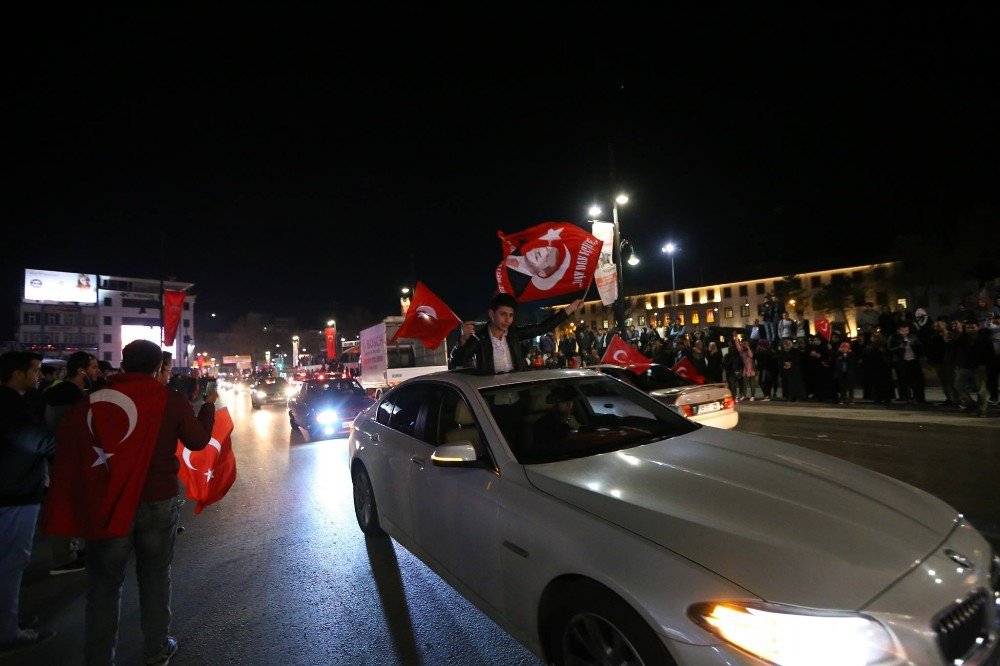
[960, 625]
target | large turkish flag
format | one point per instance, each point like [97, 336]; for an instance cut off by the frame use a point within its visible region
[173, 306]
[428, 319]
[103, 449]
[619, 353]
[550, 259]
[210, 473]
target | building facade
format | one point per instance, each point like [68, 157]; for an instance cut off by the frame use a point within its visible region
[738, 304]
[122, 309]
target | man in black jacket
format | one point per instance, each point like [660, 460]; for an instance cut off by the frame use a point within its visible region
[25, 443]
[496, 347]
[975, 353]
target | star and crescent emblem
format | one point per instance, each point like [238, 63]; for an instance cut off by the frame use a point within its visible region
[123, 402]
[214, 443]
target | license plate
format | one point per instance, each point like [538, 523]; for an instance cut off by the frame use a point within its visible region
[709, 407]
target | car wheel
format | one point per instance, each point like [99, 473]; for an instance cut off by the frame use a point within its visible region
[365, 508]
[595, 626]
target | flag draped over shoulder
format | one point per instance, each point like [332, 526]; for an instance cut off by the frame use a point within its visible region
[210, 473]
[428, 319]
[619, 353]
[550, 259]
[103, 449]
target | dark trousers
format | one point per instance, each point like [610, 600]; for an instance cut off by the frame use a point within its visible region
[911, 377]
[151, 539]
[993, 377]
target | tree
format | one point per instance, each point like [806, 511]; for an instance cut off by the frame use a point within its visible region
[790, 288]
[837, 295]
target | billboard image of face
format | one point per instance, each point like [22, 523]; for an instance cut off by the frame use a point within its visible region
[59, 287]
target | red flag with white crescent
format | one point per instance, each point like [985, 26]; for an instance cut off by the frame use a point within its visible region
[210, 473]
[550, 259]
[684, 368]
[619, 353]
[103, 449]
[428, 319]
[331, 342]
[823, 327]
[173, 305]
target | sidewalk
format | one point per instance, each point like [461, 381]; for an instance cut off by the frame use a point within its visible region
[865, 410]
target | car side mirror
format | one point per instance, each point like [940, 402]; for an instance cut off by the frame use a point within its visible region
[456, 454]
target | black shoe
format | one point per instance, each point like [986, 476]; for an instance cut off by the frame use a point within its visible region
[26, 638]
[73, 567]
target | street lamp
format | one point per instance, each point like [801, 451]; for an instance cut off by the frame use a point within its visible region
[670, 249]
[621, 199]
[330, 322]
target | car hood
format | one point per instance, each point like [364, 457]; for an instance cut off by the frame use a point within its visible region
[787, 524]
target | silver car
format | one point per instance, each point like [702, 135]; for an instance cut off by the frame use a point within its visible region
[597, 526]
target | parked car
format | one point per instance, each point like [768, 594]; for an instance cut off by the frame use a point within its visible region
[269, 390]
[709, 404]
[596, 525]
[327, 406]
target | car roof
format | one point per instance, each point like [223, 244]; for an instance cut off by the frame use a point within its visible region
[469, 379]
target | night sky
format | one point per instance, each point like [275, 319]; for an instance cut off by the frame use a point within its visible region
[307, 162]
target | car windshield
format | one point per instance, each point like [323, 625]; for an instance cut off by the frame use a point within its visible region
[548, 421]
[348, 386]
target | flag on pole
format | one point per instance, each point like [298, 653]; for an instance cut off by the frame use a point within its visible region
[173, 304]
[619, 353]
[428, 319]
[823, 327]
[550, 259]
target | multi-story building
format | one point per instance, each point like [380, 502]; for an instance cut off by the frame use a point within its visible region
[65, 312]
[737, 304]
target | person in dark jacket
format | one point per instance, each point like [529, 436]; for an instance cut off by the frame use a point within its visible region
[879, 364]
[907, 350]
[713, 373]
[25, 445]
[937, 357]
[845, 373]
[790, 360]
[974, 354]
[496, 347]
[767, 369]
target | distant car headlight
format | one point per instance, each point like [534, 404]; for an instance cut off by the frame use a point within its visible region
[261, 395]
[326, 417]
[290, 391]
[790, 636]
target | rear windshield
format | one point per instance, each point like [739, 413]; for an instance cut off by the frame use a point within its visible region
[577, 417]
[657, 377]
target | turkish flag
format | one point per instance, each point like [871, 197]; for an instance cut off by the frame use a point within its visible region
[331, 343]
[210, 473]
[173, 304]
[619, 353]
[684, 368]
[823, 327]
[428, 319]
[550, 259]
[103, 449]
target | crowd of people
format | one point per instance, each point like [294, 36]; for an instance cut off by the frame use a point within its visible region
[42, 417]
[890, 357]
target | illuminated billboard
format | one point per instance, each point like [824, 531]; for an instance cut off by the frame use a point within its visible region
[132, 332]
[59, 287]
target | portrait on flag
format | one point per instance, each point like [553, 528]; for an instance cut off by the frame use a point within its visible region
[550, 259]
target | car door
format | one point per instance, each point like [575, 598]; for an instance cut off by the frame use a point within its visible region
[396, 451]
[455, 509]
[298, 405]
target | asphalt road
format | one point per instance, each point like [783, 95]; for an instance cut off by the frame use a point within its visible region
[278, 572]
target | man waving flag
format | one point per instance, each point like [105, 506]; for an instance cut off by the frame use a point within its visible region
[208, 474]
[550, 259]
[428, 319]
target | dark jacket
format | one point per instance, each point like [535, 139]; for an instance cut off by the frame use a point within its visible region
[479, 349]
[974, 352]
[59, 399]
[25, 443]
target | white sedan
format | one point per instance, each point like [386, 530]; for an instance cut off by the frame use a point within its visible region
[597, 526]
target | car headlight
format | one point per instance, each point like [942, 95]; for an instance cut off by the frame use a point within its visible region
[790, 636]
[261, 395]
[290, 391]
[326, 417]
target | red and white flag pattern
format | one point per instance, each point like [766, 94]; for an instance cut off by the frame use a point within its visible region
[823, 327]
[550, 259]
[619, 353]
[684, 368]
[210, 473]
[428, 319]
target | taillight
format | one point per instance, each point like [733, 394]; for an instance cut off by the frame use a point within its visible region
[687, 409]
[729, 403]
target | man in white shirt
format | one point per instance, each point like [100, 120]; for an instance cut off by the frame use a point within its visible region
[496, 347]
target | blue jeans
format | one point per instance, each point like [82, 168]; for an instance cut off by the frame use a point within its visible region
[17, 529]
[771, 330]
[151, 538]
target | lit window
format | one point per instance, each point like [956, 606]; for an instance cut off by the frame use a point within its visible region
[728, 313]
[710, 316]
[694, 317]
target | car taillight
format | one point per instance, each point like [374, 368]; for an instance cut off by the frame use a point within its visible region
[687, 409]
[729, 403]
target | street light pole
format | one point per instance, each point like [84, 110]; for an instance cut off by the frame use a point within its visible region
[616, 257]
[670, 248]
